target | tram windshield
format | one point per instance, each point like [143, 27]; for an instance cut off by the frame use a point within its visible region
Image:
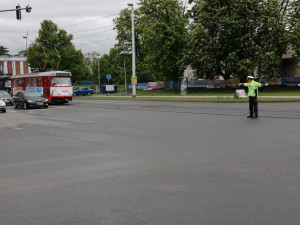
[32, 94]
[61, 81]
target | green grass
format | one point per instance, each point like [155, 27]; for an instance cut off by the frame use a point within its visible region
[223, 95]
[268, 91]
[186, 98]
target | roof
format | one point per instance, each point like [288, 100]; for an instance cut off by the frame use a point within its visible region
[42, 74]
[12, 58]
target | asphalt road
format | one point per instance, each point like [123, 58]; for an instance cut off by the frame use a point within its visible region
[150, 162]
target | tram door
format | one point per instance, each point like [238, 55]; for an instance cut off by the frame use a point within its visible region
[23, 84]
[46, 85]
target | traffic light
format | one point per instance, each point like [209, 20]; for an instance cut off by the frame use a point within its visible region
[18, 12]
[28, 9]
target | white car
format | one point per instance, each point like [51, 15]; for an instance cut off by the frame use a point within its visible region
[2, 106]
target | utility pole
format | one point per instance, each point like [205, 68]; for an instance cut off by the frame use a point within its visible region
[99, 75]
[133, 78]
[125, 78]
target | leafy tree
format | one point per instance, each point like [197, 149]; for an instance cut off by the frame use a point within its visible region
[292, 20]
[53, 49]
[3, 50]
[164, 35]
[109, 64]
[236, 38]
[89, 59]
[160, 39]
[123, 48]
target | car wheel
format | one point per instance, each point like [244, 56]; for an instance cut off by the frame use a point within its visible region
[74, 94]
[4, 110]
[25, 105]
[45, 106]
[15, 105]
[89, 93]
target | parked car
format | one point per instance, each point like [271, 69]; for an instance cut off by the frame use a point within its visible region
[2, 106]
[5, 96]
[83, 91]
[29, 99]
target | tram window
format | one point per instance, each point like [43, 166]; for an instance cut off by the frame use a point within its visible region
[28, 82]
[61, 81]
[19, 83]
[38, 82]
[33, 82]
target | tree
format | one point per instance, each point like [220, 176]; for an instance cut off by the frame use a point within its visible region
[292, 20]
[160, 39]
[236, 38]
[53, 49]
[89, 59]
[123, 48]
[3, 50]
[164, 35]
[109, 64]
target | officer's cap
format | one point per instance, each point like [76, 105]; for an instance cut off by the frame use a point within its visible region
[250, 77]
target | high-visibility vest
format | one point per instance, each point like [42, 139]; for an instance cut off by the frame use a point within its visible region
[252, 88]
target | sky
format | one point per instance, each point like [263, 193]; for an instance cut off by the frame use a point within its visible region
[90, 22]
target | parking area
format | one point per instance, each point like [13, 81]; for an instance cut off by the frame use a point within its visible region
[150, 162]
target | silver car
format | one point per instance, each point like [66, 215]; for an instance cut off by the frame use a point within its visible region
[5, 96]
[2, 106]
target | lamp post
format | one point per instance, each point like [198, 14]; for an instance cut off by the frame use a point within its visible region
[98, 64]
[133, 78]
[99, 74]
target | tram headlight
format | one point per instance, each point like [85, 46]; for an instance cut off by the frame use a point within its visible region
[29, 101]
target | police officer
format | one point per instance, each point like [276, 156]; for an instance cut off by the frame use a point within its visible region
[252, 94]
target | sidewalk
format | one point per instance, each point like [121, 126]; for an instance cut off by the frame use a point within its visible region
[185, 96]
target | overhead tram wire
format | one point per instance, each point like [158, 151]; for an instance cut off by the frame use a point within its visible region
[107, 39]
[93, 34]
[69, 26]
[92, 29]
[91, 20]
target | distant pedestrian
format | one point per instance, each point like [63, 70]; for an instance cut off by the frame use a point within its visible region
[252, 94]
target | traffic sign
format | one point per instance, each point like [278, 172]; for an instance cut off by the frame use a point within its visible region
[108, 76]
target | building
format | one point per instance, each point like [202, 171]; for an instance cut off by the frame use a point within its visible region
[13, 65]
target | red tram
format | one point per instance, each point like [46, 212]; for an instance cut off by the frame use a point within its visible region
[56, 86]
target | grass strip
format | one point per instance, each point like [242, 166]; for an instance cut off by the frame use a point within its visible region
[188, 99]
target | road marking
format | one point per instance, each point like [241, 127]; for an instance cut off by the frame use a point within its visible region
[18, 128]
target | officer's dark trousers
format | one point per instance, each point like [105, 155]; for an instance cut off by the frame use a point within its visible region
[253, 106]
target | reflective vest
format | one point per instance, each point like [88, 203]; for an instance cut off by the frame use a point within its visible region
[252, 88]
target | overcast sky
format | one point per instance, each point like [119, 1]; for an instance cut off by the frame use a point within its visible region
[90, 18]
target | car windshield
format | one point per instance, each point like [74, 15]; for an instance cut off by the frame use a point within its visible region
[32, 94]
[4, 94]
[61, 81]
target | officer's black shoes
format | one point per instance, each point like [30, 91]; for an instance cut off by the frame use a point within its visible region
[255, 116]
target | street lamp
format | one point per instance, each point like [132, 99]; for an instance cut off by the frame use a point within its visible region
[133, 78]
